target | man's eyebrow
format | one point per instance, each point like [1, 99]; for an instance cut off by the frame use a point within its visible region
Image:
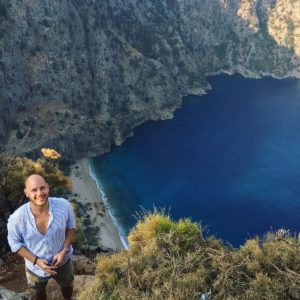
[41, 187]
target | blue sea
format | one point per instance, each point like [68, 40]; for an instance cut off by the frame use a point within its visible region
[229, 159]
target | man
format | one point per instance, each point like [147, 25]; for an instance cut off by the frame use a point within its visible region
[41, 231]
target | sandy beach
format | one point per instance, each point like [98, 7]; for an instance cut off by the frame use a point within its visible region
[86, 191]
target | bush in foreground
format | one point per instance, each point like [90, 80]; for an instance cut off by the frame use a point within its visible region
[172, 260]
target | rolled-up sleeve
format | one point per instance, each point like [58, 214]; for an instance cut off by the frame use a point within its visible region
[14, 236]
[71, 223]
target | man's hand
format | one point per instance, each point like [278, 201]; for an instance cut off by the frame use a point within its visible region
[43, 264]
[59, 258]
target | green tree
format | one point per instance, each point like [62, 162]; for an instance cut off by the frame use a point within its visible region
[13, 173]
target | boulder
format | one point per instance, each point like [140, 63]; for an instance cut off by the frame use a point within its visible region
[83, 264]
[6, 294]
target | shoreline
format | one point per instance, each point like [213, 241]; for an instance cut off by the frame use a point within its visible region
[86, 191]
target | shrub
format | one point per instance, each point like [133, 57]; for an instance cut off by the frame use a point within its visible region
[172, 260]
[14, 171]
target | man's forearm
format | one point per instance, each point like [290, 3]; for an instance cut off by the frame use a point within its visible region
[25, 253]
[59, 257]
[69, 237]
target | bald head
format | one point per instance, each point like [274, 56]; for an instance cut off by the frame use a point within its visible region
[33, 178]
[37, 190]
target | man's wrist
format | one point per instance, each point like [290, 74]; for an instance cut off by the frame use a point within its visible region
[66, 249]
[35, 260]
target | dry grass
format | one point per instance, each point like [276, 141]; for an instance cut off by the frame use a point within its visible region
[171, 260]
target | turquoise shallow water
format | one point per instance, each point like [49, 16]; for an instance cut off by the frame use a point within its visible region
[229, 159]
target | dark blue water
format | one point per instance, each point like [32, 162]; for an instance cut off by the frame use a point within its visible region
[230, 160]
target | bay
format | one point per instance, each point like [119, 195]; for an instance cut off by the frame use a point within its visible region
[229, 159]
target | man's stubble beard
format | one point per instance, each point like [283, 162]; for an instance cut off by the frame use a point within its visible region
[35, 202]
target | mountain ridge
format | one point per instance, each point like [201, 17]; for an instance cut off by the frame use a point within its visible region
[83, 74]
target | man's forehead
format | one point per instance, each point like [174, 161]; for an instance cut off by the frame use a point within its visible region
[34, 179]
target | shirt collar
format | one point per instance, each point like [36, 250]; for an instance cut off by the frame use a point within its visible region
[31, 216]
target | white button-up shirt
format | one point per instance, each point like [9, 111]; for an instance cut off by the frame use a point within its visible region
[22, 232]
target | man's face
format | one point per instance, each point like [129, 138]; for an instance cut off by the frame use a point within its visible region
[37, 190]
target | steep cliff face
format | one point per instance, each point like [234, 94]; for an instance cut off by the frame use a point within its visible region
[284, 24]
[83, 74]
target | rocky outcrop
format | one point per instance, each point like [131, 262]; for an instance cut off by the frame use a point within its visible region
[53, 291]
[82, 74]
[284, 24]
[13, 280]
[6, 294]
[83, 264]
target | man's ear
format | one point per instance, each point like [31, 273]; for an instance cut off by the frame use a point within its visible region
[25, 192]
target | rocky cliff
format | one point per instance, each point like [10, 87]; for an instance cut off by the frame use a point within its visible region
[81, 74]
